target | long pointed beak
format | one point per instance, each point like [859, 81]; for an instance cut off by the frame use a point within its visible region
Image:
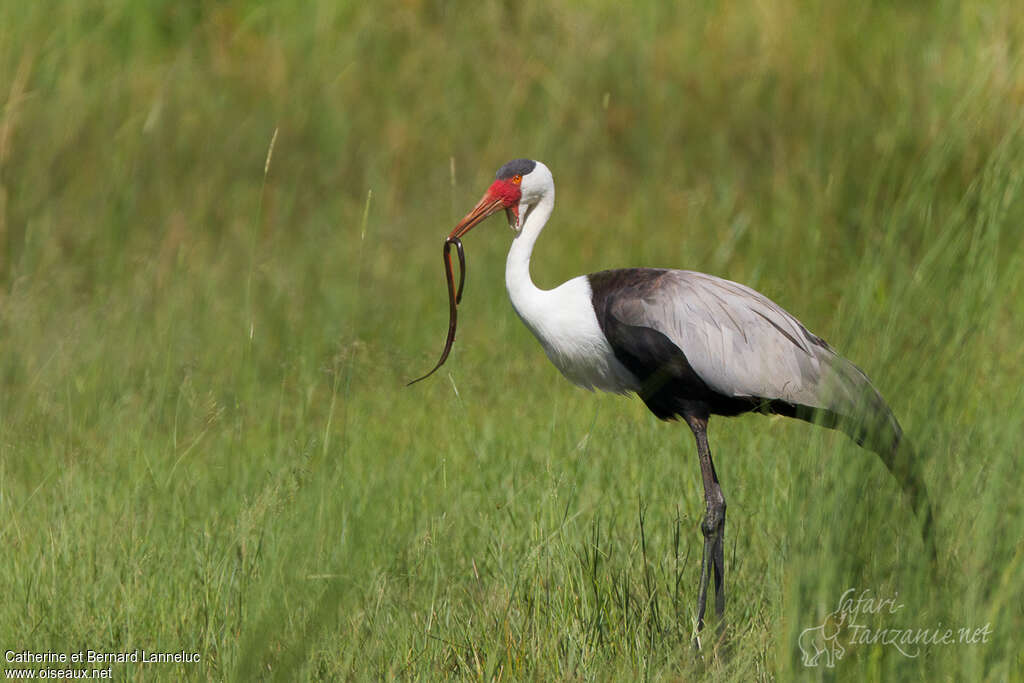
[490, 203]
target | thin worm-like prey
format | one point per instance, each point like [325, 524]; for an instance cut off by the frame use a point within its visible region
[454, 297]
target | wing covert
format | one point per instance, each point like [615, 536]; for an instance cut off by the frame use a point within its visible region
[739, 342]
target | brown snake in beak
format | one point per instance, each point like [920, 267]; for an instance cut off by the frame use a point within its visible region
[454, 297]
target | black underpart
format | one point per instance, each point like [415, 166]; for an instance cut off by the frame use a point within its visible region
[670, 385]
[515, 167]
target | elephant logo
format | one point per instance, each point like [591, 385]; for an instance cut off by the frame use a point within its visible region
[823, 640]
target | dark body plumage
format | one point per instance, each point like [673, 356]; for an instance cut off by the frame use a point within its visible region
[668, 379]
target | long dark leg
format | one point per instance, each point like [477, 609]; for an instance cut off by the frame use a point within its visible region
[713, 525]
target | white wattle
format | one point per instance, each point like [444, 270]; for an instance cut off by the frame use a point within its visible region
[562, 318]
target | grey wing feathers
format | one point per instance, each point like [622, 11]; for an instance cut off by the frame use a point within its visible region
[742, 344]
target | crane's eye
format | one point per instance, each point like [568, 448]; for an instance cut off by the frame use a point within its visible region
[516, 179]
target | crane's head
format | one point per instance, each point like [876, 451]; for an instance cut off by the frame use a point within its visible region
[518, 185]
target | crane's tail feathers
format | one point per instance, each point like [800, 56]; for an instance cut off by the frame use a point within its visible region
[861, 412]
[904, 464]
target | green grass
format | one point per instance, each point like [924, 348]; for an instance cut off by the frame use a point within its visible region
[205, 439]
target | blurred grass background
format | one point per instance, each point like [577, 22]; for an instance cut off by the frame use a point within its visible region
[205, 441]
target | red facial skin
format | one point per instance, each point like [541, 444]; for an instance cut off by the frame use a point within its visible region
[507, 191]
[502, 194]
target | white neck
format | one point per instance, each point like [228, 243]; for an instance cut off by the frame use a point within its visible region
[524, 294]
[562, 318]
